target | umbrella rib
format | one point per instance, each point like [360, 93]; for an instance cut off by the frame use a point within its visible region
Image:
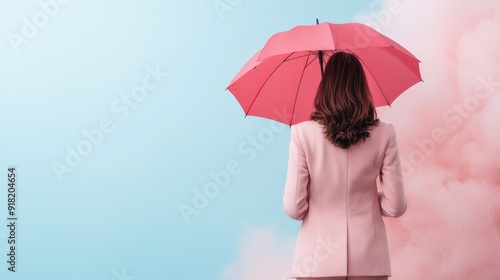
[314, 58]
[297, 57]
[386, 49]
[383, 94]
[326, 53]
[267, 79]
[298, 88]
[398, 59]
[392, 46]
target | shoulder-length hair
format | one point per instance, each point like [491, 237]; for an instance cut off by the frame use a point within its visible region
[343, 102]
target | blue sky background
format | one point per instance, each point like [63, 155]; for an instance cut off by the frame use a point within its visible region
[119, 207]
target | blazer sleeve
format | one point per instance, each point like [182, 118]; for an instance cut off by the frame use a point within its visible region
[392, 197]
[295, 198]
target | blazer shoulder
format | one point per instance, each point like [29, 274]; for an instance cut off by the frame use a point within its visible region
[383, 132]
[388, 128]
[307, 125]
[300, 126]
[386, 125]
[306, 129]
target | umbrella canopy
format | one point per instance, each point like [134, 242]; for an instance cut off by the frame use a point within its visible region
[280, 81]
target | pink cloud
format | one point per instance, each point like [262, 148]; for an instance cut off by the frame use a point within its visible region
[451, 229]
[263, 255]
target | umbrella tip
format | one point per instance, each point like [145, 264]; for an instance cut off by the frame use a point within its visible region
[317, 21]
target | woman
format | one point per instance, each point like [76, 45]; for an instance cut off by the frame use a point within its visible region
[335, 159]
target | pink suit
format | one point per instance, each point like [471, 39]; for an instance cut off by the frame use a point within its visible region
[333, 191]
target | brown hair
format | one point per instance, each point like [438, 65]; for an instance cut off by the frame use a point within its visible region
[343, 102]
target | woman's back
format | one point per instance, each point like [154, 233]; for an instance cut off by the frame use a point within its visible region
[333, 190]
[334, 161]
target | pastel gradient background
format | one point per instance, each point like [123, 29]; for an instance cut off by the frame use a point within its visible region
[116, 212]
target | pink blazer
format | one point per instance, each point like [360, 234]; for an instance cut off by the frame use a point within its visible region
[333, 191]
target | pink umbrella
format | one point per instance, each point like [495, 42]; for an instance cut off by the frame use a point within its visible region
[280, 81]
